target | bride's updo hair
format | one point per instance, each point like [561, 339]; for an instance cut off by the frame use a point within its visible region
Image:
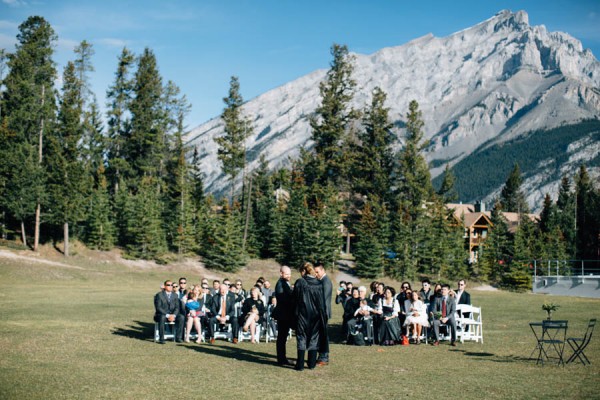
[307, 268]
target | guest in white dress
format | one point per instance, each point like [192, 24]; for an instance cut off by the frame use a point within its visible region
[416, 316]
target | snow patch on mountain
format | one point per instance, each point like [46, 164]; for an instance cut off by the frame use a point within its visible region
[482, 85]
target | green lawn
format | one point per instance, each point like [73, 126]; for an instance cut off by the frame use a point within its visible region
[87, 333]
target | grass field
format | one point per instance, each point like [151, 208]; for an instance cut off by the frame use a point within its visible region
[82, 328]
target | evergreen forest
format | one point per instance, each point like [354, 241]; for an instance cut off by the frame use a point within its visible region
[128, 180]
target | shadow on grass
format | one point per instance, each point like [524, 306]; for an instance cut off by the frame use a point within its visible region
[493, 357]
[237, 352]
[141, 330]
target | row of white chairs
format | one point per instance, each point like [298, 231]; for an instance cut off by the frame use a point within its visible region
[219, 333]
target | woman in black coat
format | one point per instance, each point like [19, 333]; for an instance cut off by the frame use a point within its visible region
[310, 314]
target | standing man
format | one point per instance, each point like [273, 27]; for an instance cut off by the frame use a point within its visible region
[283, 313]
[446, 306]
[167, 307]
[462, 296]
[327, 291]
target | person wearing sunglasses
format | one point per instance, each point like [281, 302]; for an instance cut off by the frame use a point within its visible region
[167, 307]
[462, 296]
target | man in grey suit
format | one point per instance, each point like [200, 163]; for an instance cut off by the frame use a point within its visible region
[167, 307]
[327, 291]
[446, 306]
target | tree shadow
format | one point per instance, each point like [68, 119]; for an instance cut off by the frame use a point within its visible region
[237, 352]
[141, 330]
[493, 357]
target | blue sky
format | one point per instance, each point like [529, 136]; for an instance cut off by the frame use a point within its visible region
[200, 44]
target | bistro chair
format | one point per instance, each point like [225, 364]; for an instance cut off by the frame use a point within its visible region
[579, 344]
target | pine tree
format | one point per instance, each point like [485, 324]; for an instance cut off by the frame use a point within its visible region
[325, 221]
[180, 207]
[145, 149]
[232, 145]
[263, 208]
[588, 219]
[368, 250]
[511, 197]
[297, 242]
[145, 235]
[226, 253]
[566, 210]
[119, 125]
[29, 107]
[443, 244]
[94, 141]
[498, 250]
[332, 120]
[526, 247]
[100, 228]
[68, 182]
[447, 190]
[414, 192]
[414, 179]
[375, 157]
[180, 210]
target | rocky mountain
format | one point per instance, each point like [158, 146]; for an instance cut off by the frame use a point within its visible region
[489, 84]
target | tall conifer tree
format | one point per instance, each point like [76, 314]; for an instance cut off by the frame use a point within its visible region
[332, 120]
[511, 197]
[375, 157]
[145, 148]
[29, 107]
[232, 145]
[69, 182]
[119, 121]
[368, 250]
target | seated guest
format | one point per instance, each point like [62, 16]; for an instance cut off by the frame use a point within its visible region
[269, 320]
[239, 300]
[379, 289]
[379, 293]
[444, 307]
[373, 289]
[416, 317]
[354, 306]
[205, 301]
[223, 311]
[215, 287]
[167, 307]
[389, 330]
[193, 315]
[350, 306]
[182, 288]
[341, 294]
[437, 292]
[252, 312]
[402, 296]
[349, 287]
[240, 288]
[425, 292]
[266, 290]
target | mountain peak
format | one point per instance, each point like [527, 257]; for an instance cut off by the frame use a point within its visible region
[496, 80]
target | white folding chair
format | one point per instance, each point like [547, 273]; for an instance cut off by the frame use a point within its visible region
[248, 336]
[469, 327]
[169, 331]
[226, 333]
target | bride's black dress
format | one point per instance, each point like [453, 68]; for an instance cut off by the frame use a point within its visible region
[389, 331]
